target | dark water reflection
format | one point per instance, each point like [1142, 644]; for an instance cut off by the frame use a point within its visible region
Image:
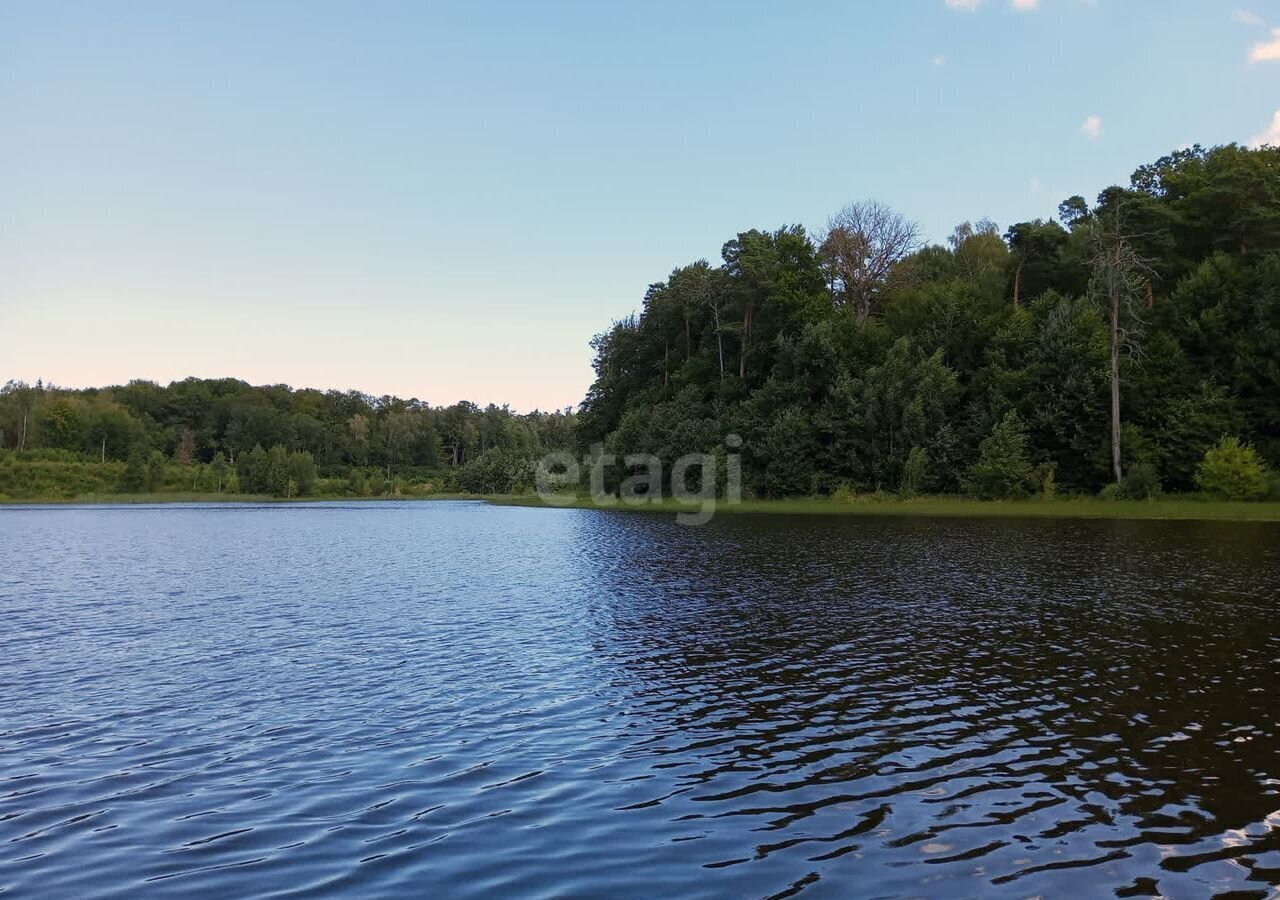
[466, 700]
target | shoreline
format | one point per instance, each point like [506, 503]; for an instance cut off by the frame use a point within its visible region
[942, 507]
[1170, 508]
[170, 498]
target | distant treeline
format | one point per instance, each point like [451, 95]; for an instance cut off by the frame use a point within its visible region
[857, 359]
[1130, 346]
[206, 435]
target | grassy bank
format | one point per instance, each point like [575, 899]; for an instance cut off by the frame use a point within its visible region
[144, 498]
[1185, 508]
[197, 497]
[961, 507]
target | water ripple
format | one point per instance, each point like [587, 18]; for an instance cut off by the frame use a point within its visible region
[474, 701]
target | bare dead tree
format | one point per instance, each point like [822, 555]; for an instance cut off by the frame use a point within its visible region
[862, 244]
[1122, 281]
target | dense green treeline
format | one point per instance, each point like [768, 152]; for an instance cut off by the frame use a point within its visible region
[858, 360]
[225, 436]
[1128, 347]
[64, 475]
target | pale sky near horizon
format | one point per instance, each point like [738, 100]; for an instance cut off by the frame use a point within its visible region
[447, 200]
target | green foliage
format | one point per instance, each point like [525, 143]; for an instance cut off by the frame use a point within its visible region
[845, 493]
[134, 477]
[301, 468]
[1141, 482]
[788, 451]
[219, 469]
[275, 473]
[1003, 470]
[1047, 476]
[155, 471]
[1234, 471]
[355, 483]
[496, 471]
[62, 424]
[251, 469]
[879, 416]
[40, 476]
[913, 472]
[1113, 491]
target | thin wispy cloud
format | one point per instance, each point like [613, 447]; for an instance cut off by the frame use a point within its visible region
[1270, 137]
[1266, 51]
[972, 5]
[1092, 127]
[1246, 17]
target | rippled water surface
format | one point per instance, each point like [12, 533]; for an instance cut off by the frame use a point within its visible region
[464, 700]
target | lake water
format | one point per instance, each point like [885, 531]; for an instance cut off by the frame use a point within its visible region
[463, 700]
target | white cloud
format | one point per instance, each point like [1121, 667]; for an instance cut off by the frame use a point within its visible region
[1271, 136]
[1019, 5]
[1245, 17]
[1035, 185]
[1092, 127]
[939, 60]
[1266, 51]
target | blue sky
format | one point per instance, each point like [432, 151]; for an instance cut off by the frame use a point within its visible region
[447, 200]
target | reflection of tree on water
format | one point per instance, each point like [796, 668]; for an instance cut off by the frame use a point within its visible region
[1009, 694]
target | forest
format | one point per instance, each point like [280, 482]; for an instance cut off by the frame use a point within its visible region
[225, 436]
[1128, 347]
